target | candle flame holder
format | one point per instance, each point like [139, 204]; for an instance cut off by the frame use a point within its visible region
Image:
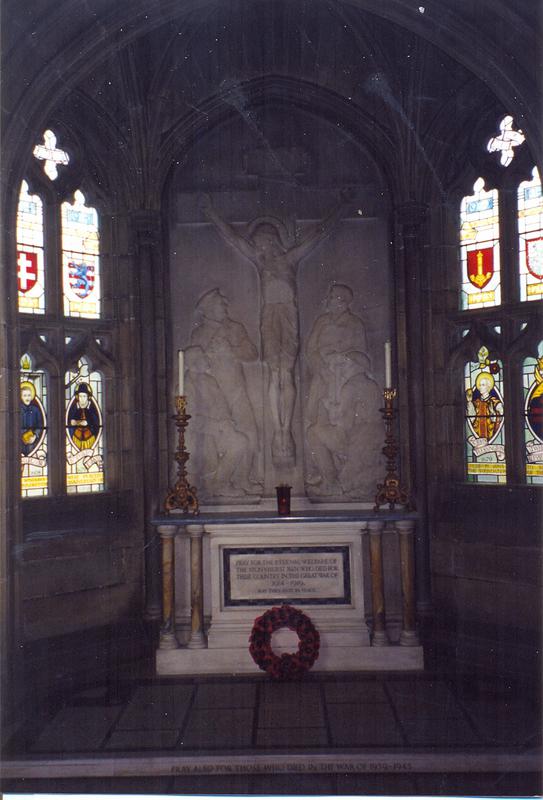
[183, 495]
[390, 491]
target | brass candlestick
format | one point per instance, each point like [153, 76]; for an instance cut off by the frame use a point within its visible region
[390, 491]
[183, 495]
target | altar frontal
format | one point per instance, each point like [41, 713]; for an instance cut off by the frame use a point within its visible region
[243, 570]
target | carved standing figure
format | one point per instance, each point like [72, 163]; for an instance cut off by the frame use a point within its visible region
[277, 265]
[219, 396]
[343, 401]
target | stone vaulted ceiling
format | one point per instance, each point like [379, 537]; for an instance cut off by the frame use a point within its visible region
[145, 78]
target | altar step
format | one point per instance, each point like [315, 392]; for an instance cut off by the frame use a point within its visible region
[211, 661]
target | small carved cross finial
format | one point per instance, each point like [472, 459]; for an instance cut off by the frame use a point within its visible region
[52, 155]
[505, 141]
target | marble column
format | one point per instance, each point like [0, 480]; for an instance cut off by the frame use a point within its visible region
[411, 221]
[406, 530]
[168, 640]
[197, 638]
[380, 635]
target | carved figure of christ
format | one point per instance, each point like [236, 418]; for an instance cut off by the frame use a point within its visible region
[277, 266]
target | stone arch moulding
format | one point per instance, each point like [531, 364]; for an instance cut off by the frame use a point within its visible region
[373, 138]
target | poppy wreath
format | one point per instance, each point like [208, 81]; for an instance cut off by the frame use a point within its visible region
[287, 666]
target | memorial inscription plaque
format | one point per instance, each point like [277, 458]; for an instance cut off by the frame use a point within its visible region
[308, 575]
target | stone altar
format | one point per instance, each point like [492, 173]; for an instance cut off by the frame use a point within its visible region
[221, 571]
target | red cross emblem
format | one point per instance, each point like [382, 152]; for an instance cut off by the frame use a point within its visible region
[27, 272]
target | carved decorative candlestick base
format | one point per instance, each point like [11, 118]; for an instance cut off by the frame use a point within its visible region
[390, 491]
[183, 495]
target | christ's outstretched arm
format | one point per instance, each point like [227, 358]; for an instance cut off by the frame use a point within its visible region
[321, 230]
[234, 238]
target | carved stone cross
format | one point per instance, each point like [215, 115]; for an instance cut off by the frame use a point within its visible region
[52, 155]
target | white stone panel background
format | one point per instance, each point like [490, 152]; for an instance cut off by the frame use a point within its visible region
[355, 253]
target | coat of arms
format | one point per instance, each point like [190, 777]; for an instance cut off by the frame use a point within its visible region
[534, 257]
[81, 277]
[480, 266]
[27, 270]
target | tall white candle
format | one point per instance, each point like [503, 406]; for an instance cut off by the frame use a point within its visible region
[388, 365]
[181, 358]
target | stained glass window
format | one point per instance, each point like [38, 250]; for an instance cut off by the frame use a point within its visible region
[532, 378]
[80, 262]
[480, 248]
[84, 433]
[484, 423]
[30, 263]
[530, 229]
[33, 420]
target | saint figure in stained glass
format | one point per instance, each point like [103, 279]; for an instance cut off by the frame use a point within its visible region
[533, 414]
[32, 419]
[83, 418]
[534, 405]
[33, 430]
[84, 432]
[485, 407]
[485, 451]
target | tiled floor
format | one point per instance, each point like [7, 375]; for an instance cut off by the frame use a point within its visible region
[400, 714]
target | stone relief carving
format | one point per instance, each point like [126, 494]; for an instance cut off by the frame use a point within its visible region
[341, 416]
[223, 429]
[266, 246]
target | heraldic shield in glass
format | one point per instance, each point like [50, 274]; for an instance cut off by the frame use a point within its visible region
[532, 375]
[84, 433]
[30, 264]
[530, 230]
[33, 436]
[480, 248]
[484, 427]
[80, 259]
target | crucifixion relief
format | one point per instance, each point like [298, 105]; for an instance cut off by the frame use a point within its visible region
[277, 263]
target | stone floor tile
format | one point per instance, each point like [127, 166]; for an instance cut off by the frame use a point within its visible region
[413, 700]
[76, 729]
[358, 725]
[515, 733]
[423, 689]
[271, 716]
[504, 712]
[291, 737]
[298, 693]
[142, 740]
[91, 694]
[225, 728]
[355, 692]
[440, 732]
[159, 707]
[290, 706]
[225, 695]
